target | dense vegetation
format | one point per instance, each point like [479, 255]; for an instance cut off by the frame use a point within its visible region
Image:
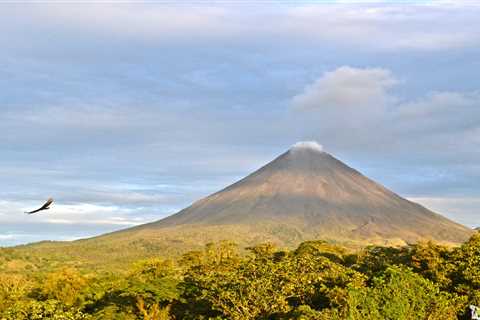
[317, 280]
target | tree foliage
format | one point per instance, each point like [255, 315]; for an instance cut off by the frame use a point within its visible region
[317, 280]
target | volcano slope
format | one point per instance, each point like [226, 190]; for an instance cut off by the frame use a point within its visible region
[303, 194]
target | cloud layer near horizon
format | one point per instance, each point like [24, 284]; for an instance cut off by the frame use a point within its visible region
[127, 112]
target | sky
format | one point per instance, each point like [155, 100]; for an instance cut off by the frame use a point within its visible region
[127, 111]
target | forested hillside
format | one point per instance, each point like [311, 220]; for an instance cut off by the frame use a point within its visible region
[317, 280]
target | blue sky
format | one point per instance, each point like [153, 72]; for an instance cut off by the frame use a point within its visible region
[126, 112]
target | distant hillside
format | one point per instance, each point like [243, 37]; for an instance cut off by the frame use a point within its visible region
[303, 194]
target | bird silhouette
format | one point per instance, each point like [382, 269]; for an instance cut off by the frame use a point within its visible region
[46, 206]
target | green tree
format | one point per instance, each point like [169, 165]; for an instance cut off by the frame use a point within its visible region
[465, 273]
[64, 285]
[432, 262]
[13, 287]
[268, 284]
[397, 294]
[48, 309]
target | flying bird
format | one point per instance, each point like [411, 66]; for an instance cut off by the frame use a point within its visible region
[46, 206]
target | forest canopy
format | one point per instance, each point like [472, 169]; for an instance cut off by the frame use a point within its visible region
[317, 280]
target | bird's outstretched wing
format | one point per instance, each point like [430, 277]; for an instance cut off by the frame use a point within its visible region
[44, 207]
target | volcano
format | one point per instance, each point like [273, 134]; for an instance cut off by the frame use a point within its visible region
[306, 193]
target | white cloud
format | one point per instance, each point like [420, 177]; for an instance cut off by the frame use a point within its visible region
[312, 145]
[347, 88]
[346, 100]
[81, 213]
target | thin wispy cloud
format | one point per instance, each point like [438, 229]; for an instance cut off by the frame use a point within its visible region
[380, 25]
